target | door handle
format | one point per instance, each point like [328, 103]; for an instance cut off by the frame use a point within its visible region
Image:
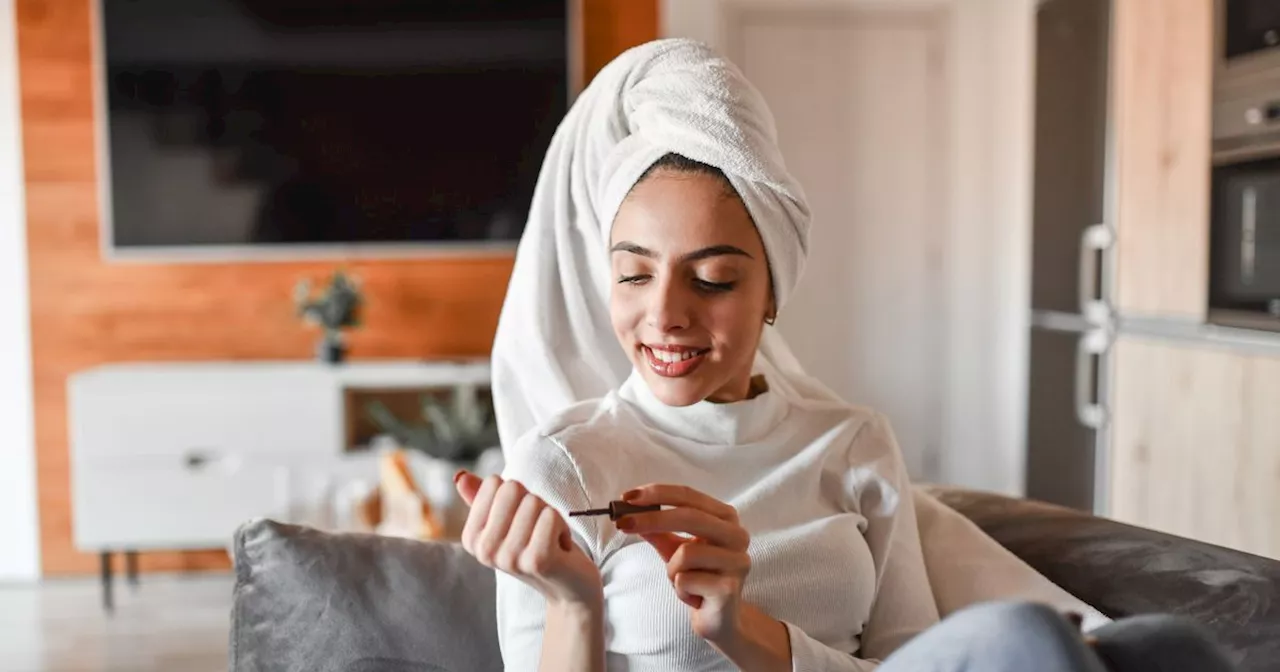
[1094, 241]
[1091, 345]
[1248, 235]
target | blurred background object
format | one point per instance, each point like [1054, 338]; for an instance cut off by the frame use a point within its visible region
[336, 308]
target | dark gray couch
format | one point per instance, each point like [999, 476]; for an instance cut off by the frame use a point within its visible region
[315, 602]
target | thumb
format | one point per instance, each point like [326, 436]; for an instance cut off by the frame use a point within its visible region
[468, 485]
[665, 543]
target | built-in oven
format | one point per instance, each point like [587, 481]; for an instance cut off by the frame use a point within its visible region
[1250, 27]
[1244, 265]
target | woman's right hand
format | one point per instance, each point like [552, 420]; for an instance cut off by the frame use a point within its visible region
[514, 531]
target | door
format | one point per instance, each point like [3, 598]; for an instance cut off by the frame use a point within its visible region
[1071, 160]
[1071, 316]
[864, 131]
[1064, 416]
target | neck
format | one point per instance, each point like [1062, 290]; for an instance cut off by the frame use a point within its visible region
[748, 388]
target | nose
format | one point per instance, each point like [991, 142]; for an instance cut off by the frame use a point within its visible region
[669, 307]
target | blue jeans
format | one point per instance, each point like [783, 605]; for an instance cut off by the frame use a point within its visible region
[1021, 637]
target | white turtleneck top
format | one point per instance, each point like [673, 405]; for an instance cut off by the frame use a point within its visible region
[821, 487]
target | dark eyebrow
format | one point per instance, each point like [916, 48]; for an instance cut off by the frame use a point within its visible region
[696, 255]
[628, 246]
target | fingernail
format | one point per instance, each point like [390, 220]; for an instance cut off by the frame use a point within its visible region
[626, 523]
[458, 476]
[631, 494]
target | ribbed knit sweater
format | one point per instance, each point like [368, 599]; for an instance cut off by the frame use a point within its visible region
[821, 487]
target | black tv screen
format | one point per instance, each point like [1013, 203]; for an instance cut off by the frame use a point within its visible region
[279, 122]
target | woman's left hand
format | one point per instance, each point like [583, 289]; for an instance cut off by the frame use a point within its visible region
[707, 571]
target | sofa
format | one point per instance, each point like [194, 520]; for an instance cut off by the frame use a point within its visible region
[319, 602]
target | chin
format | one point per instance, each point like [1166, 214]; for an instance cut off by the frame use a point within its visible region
[674, 391]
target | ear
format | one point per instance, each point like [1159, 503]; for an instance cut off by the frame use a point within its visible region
[771, 308]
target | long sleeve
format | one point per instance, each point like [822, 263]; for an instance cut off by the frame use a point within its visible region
[542, 466]
[904, 604]
[810, 655]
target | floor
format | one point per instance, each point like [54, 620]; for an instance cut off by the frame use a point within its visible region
[168, 623]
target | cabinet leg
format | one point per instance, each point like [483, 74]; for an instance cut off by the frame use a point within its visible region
[131, 567]
[108, 603]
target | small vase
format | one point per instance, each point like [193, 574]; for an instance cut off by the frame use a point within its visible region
[331, 349]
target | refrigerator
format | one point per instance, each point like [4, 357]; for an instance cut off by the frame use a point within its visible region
[1072, 321]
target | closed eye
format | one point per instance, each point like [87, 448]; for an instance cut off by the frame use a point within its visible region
[633, 279]
[714, 287]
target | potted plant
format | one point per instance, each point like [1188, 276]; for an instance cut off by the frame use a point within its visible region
[457, 430]
[336, 308]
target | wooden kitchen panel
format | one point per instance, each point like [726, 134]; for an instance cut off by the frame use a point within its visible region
[1196, 443]
[1162, 58]
[86, 312]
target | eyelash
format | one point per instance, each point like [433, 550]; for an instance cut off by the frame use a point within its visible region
[704, 285]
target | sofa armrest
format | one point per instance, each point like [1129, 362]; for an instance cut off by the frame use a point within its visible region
[1124, 570]
[308, 601]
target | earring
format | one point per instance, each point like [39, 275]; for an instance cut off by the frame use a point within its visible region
[770, 320]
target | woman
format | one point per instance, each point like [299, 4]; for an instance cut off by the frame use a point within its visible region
[787, 538]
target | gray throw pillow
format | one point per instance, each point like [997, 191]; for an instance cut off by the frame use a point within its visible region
[308, 601]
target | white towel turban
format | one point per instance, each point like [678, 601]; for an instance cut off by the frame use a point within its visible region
[555, 345]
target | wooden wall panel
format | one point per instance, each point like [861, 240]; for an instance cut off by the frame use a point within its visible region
[1163, 57]
[610, 27]
[86, 311]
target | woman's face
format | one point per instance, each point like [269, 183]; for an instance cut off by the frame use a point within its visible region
[690, 287]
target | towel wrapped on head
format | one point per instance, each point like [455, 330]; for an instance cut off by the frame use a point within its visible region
[555, 345]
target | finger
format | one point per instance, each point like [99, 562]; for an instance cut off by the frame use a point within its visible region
[680, 495]
[664, 543]
[688, 598]
[697, 556]
[519, 534]
[501, 512]
[479, 513]
[468, 484]
[689, 521]
[706, 585]
[543, 543]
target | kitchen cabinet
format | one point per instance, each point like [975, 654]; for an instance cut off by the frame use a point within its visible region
[1196, 442]
[1162, 87]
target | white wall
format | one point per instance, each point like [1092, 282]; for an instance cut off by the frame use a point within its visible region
[990, 49]
[19, 538]
[993, 75]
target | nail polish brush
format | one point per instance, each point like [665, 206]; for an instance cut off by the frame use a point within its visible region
[617, 509]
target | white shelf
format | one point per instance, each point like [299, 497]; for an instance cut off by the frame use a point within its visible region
[176, 455]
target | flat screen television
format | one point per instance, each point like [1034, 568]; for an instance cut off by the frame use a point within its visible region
[305, 123]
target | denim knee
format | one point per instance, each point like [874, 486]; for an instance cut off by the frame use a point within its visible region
[1003, 617]
[997, 637]
[1038, 633]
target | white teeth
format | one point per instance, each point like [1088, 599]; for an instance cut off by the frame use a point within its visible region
[672, 357]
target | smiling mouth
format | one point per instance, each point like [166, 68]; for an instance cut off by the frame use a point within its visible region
[674, 362]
